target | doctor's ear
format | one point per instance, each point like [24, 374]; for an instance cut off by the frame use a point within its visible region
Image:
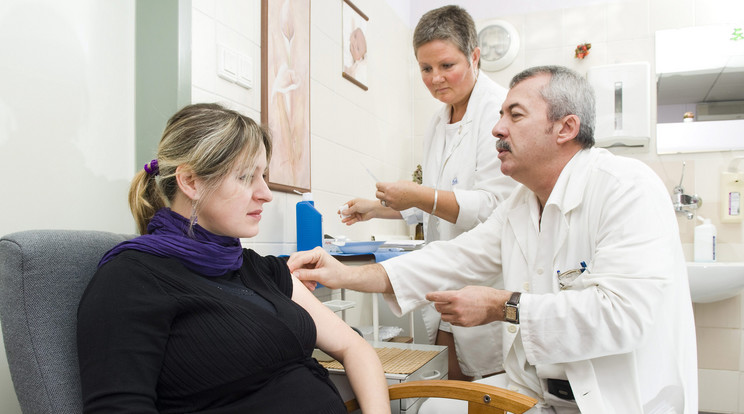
[568, 129]
[188, 182]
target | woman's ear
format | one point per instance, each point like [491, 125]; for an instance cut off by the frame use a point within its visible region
[475, 58]
[187, 182]
[569, 128]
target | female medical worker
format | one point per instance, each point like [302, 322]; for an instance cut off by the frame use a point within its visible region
[462, 181]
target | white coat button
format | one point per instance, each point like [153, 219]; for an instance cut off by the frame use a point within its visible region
[526, 286]
[513, 388]
[539, 270]
[512, 329]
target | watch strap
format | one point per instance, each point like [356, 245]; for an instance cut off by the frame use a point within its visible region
[514, 299]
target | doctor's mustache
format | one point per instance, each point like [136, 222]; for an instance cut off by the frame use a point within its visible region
[502, 145]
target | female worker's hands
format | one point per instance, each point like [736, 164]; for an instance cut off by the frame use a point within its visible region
[401, 195]
[360, 209]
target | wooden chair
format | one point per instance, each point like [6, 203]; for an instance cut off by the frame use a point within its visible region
[481, 398]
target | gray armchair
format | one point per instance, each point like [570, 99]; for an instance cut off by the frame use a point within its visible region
[43, 274]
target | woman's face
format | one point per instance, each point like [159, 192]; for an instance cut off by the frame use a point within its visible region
[235, 207]
[446, 71]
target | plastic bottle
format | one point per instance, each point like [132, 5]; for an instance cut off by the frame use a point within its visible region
[705, 241]
[309, 224]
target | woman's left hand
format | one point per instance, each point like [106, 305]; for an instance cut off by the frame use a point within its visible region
[400, 195]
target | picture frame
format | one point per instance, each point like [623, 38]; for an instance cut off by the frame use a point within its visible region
[285, 91]
[354, 48]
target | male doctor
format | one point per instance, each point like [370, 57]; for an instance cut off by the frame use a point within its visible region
[597, 304]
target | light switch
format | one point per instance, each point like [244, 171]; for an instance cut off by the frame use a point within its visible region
[227, 63]
[245, 71]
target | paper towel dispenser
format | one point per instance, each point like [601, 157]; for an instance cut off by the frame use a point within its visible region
[623, 105]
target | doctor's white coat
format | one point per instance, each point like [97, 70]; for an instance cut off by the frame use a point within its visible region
[467, 165]
[622, 332]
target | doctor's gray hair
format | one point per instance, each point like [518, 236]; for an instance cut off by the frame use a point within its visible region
[567, 93]
[451, 23]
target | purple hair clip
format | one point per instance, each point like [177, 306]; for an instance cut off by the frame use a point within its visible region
[152, 168]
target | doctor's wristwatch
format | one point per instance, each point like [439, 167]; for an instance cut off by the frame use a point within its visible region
[511, 309]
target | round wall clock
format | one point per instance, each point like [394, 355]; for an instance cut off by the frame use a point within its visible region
[499, 44]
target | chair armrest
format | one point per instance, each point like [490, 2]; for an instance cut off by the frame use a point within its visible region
[481, 397]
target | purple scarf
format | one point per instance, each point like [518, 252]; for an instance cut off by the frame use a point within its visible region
[168, 236]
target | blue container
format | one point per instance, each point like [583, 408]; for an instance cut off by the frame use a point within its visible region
[309, 224]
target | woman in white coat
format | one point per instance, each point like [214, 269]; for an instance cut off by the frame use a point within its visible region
[462, 182]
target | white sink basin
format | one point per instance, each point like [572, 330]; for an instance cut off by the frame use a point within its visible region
[710, 282]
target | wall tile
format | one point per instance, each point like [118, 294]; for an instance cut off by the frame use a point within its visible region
[741, 392]
[541, 31]
[325, 16]
[671, 14]
[325, 60]
[203, 51]
[240, 17]
[718, 390]
[720, 314]
[741, 356]
[584, 24]
[324, 109]
[630, 50]
[543, 56]
[711, 12]
[205, 6]
[628, 20]
[718, 348]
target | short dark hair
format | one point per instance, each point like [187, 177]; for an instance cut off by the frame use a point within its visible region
[450, 23]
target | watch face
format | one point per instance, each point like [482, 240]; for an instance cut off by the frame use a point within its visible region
[511, 314]
[494, 42]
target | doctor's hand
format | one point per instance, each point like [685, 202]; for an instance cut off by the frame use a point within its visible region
[316, 266]
[360, 209]
[471, 305]
[401, 195]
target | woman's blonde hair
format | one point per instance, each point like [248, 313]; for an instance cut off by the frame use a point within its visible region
[207, 138]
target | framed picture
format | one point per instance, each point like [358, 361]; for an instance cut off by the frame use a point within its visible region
[354, 44]
[285, 91]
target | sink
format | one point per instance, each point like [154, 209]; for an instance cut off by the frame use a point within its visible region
[710, 282]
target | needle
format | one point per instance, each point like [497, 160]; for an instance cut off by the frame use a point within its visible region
[371, 175]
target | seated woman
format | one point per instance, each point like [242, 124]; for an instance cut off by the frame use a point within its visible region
[182, 319]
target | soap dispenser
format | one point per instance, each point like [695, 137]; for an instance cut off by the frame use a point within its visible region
[705, 241]
[309, 224]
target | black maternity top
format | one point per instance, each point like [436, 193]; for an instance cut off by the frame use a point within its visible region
[154, 336]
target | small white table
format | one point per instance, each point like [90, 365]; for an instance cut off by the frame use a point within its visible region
[360, 260]
[435, 368]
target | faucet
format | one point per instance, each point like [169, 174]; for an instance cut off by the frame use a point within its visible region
[683, 203]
